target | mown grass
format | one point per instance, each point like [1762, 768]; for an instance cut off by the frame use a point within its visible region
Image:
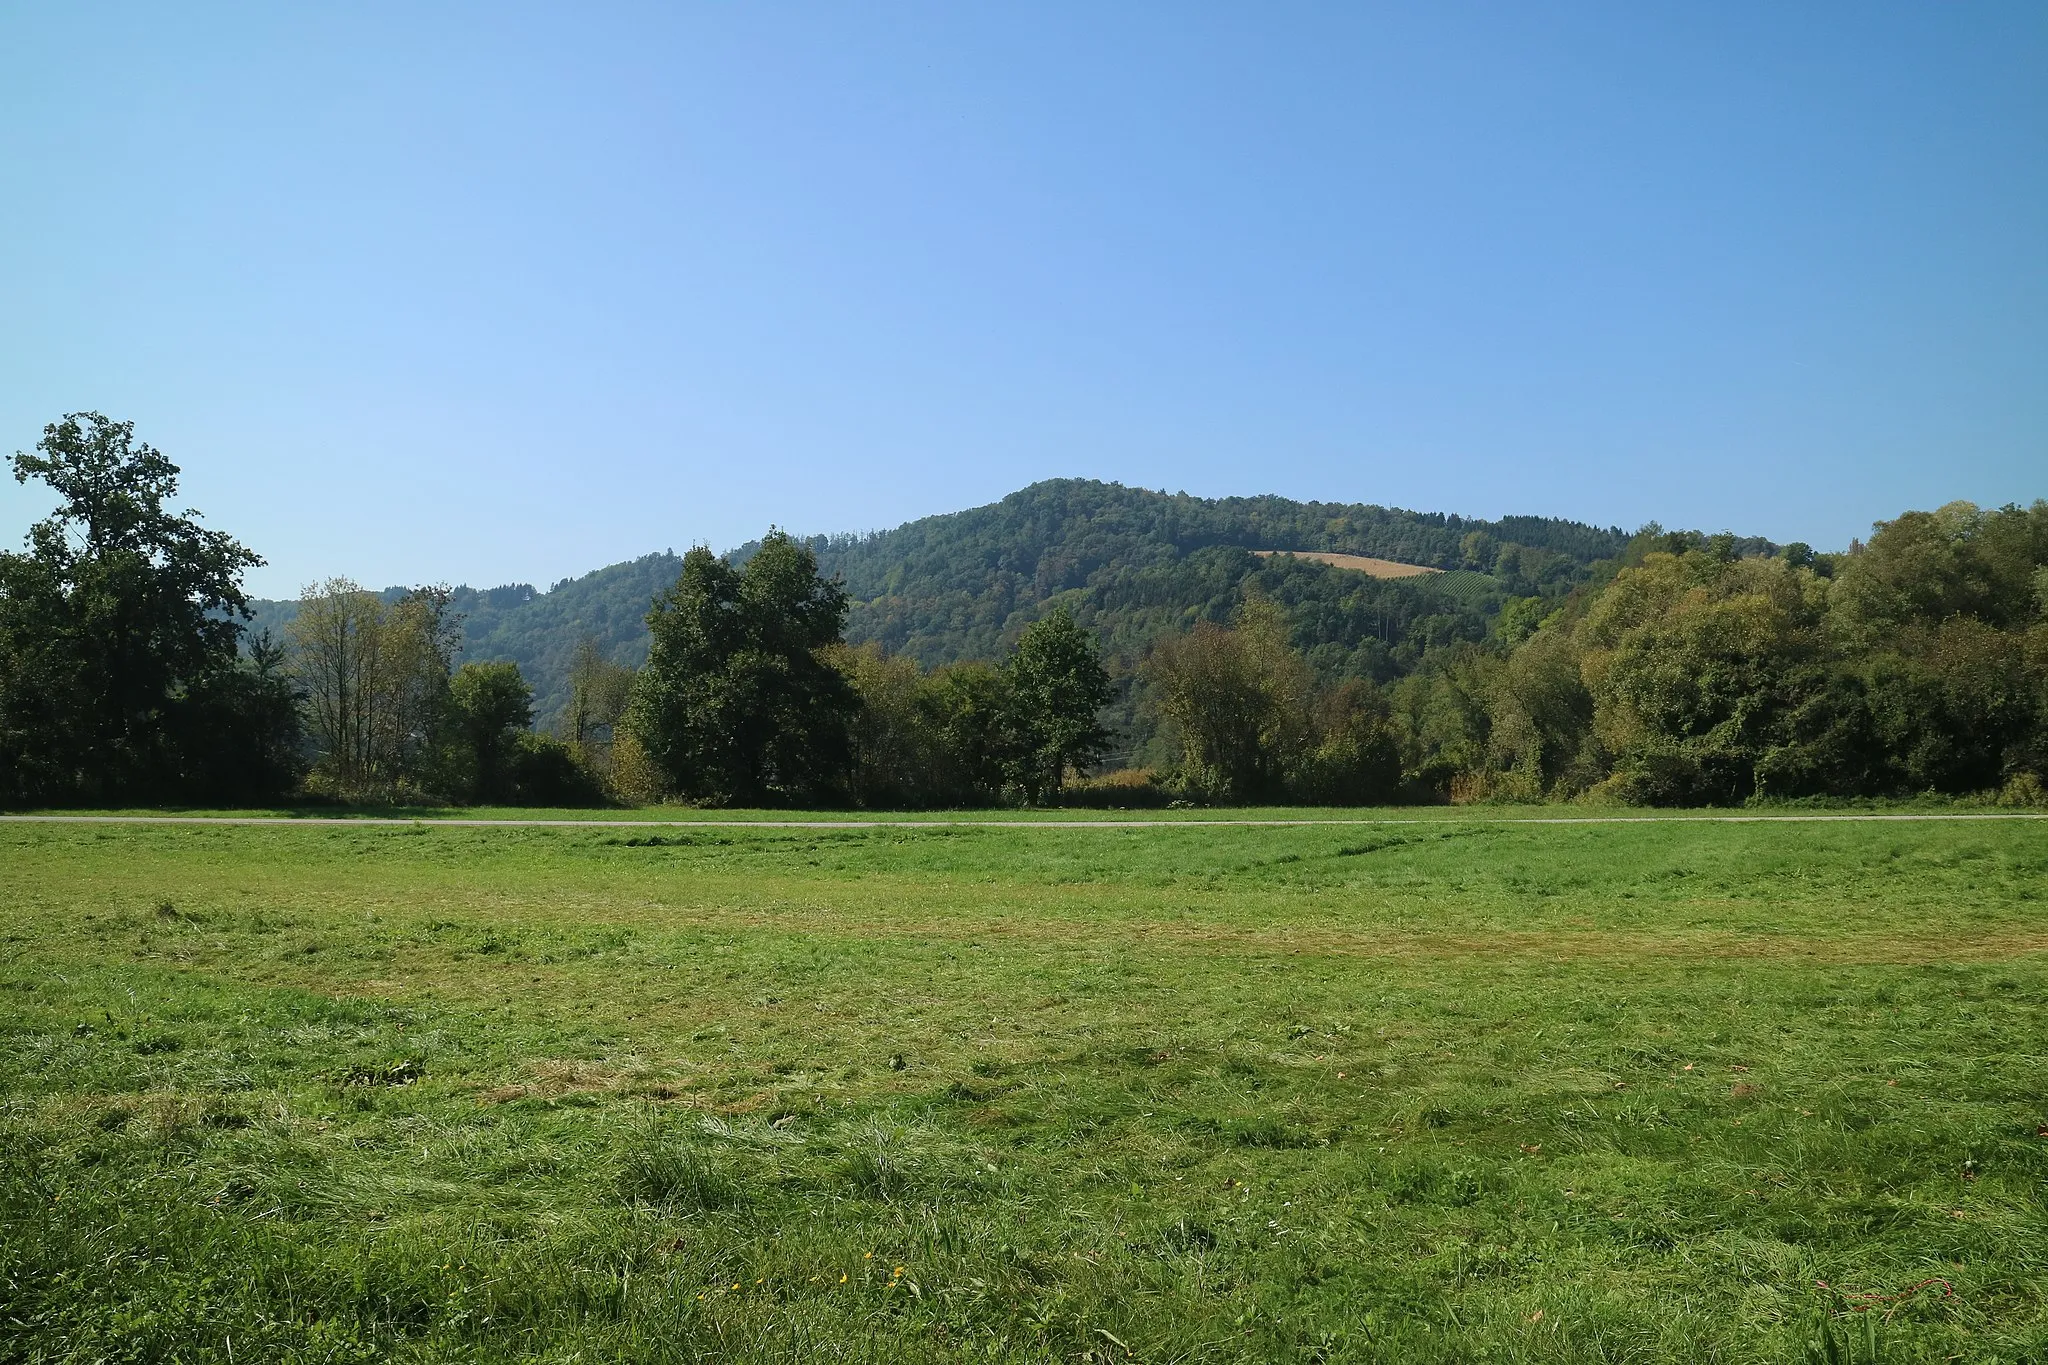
[1456, 1091]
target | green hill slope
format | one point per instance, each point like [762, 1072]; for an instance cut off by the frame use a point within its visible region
[538, 630]
[1135, 561]
[1131, 563]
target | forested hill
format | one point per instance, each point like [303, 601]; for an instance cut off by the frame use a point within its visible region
[1129, 560]
[1131, 563]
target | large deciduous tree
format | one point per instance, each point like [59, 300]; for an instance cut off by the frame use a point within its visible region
[1239, 697]
[375, 677]
[736, 704]
[493, 707]
[1057, 689]
[119, 633]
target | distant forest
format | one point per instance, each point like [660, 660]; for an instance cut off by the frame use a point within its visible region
[1076, 642]
[1130, 564]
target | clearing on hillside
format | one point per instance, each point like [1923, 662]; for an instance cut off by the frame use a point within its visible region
[1365, 564]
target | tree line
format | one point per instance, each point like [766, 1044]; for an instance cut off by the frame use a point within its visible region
[1693, 674]
[1685, 669]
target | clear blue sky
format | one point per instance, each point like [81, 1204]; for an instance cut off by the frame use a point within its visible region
[497, 293]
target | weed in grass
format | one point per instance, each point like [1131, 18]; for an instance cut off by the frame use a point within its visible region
[677, 1176]
[402, 1072]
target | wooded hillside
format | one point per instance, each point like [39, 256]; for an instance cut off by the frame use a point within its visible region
[1130, 563]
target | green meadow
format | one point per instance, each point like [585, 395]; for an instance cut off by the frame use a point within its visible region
[1451, 1090]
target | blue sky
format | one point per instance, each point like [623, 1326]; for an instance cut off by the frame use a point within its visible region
[503, 293]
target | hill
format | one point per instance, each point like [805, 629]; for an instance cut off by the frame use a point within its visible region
[1130, 563]
[539, 630]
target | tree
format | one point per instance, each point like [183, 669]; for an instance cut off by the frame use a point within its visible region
[1444, 713]
[375, 678]
[1924, 567]
[979, 722]
[336, 643]
[1240, 698]
[599, 691]
[425, 635]
[1692, 661]
[118, 620]
[1058, 688]
[735, 705]
[493, 706]
[243, 732]
[1954, 706]
[1355, 760]
[1539, 740]
[901, 756]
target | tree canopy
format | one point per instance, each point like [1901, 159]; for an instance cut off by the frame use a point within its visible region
[736, 705]
[119, 636]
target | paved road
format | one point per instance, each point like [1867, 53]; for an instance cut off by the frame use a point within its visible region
[1024, 823]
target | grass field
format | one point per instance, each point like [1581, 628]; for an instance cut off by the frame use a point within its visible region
[1457, 1090]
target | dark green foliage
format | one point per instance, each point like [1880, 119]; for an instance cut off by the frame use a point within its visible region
[957, 586]
[507, 763]
[241, 731]
[1057, 688]
[545, 771]
[1130, 563]
[493, 707]
[119, 678]
[976, 717]
[1355, 759]
[735, 705]
[1701, 674]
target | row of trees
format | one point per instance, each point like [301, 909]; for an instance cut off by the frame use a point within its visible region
[1696, 675]
[1690, 670]
[126, 675]
[1687, 670]
[749, 697]
[388, 717]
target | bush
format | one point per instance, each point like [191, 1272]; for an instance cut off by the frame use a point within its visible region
[1124, 789]
[1356, 765]
[547, 772]
[2024, 789]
